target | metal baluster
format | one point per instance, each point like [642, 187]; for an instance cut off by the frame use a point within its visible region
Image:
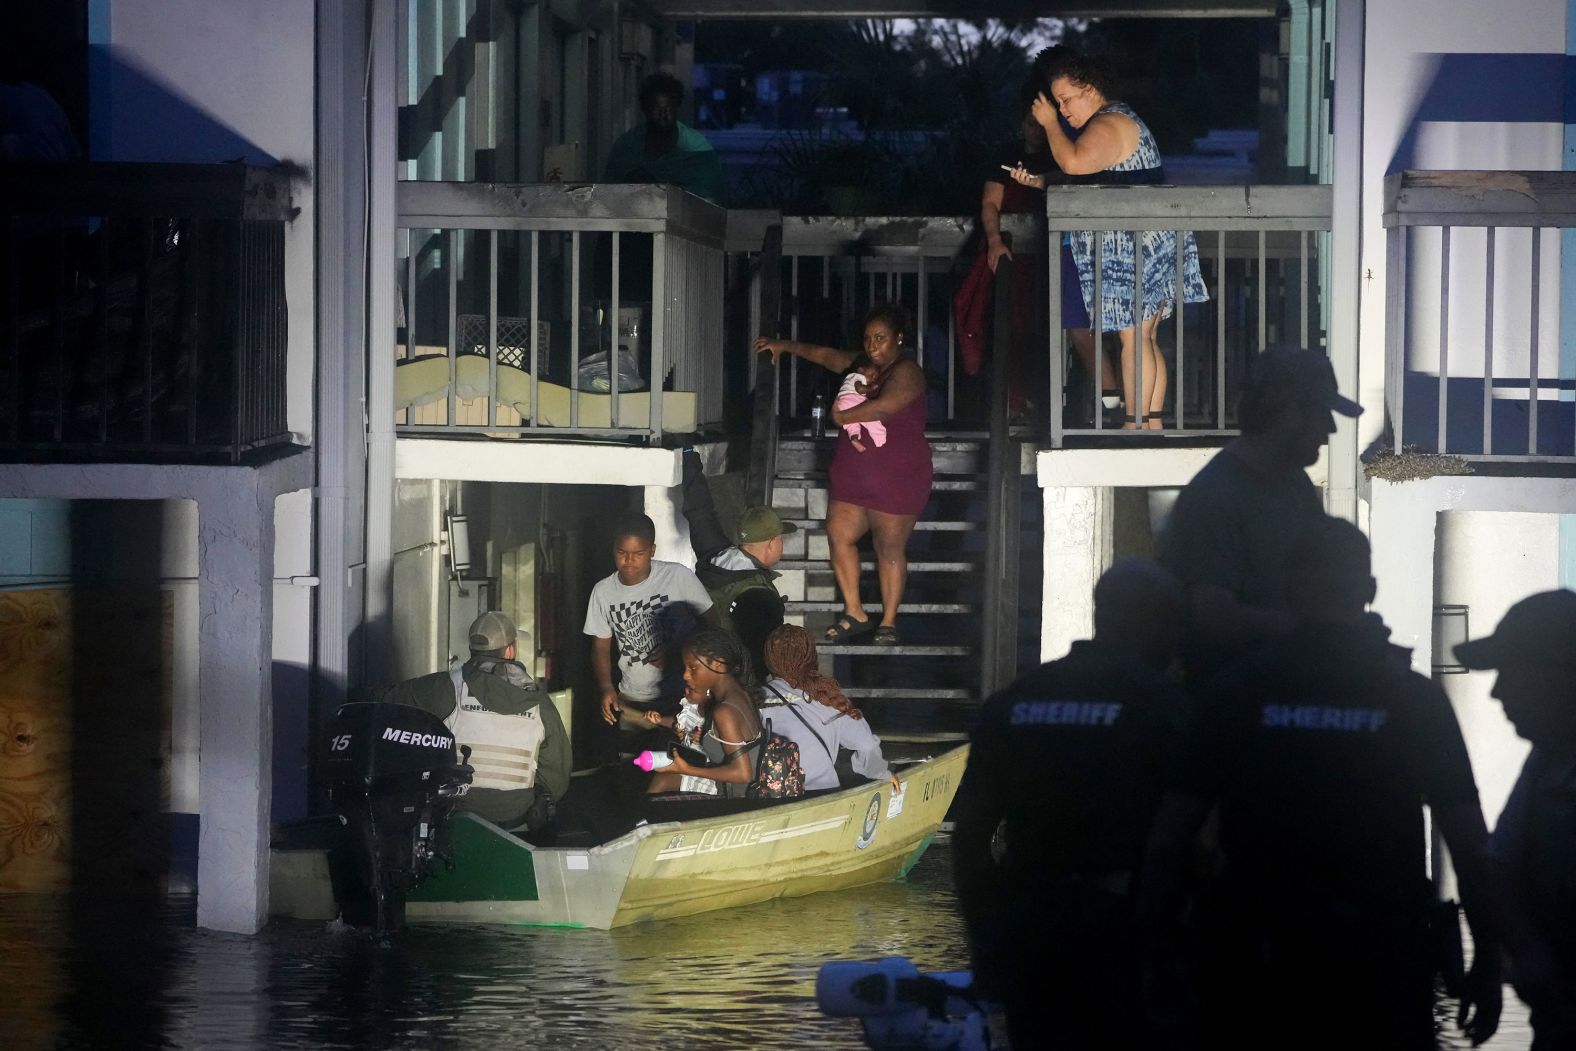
[1488, 348]
[1532, 345]
[1139, 346]
[1220, 330]
[1058, 337]
[612, 354]
[793, 336]
[574, 337]
[1264, 280]
[453, 419]
[532, 328]
[1178, 304]
[1099, 319]
[492, 329]
[1442, 438]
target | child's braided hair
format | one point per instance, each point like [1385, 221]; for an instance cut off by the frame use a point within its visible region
[790, 655]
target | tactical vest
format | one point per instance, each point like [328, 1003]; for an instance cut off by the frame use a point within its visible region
[503, 747]
[726, 594]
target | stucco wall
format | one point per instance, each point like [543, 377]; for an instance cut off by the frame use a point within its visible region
[1523, 550]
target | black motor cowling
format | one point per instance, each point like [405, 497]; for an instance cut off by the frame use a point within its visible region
[393, 774]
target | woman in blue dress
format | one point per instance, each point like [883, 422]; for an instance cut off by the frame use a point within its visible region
[1115, 147]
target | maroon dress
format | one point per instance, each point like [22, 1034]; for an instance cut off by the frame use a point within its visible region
[893, 478]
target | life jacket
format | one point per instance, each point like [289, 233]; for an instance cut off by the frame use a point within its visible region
[726, 585]
[504, 748]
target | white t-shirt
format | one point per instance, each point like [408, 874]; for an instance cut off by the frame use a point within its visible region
[644, 619]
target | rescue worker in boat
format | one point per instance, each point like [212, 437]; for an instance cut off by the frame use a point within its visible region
[1069, 760]
[736, 570]
[490, 703]
[1321, 750]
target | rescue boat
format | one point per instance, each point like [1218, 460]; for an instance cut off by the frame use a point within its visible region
[660, 870]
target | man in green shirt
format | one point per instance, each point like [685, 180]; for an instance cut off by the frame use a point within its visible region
[492, 704]
[665, 150]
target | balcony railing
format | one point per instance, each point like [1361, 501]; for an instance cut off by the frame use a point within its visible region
[142, 311]
[551, 310]
[1261, 252]
[1475, 327]
[832, 269]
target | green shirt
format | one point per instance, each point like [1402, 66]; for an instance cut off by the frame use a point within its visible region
[691, 164]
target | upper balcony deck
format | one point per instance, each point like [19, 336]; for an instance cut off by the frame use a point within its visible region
[1481, 315]
[142, 311]
[512, 296]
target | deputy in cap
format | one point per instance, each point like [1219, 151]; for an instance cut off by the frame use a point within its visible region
[736, 568]
[1534, 844]
[493, 706]
[1228, 536]
[1320, 750]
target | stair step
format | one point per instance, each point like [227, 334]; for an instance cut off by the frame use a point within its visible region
[907, 607]
[814, 565]
[878, 649]
[790, 432]
[818, 480]
[906, 693]
[943, 445]
[921, 526]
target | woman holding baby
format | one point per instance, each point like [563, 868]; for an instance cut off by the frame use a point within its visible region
[880, 479]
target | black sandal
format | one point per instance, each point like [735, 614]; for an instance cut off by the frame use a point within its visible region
[886, 636]
[847, 629]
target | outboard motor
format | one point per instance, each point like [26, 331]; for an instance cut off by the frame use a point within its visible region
[394, 777]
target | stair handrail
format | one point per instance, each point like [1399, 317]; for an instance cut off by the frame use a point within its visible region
[763, 427]
[999, 621]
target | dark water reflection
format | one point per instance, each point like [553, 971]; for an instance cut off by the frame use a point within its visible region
[146, 978]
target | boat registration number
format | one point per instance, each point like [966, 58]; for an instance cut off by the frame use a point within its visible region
[937, 787]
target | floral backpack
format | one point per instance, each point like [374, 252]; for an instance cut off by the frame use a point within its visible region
[778, 773]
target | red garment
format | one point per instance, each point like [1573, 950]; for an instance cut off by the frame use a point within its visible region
[893, 478]
[971, 305]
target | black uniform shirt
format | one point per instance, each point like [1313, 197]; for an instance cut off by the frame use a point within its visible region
[1072, 757]
[1322, 749]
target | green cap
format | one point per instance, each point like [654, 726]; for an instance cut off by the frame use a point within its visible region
[762, 523]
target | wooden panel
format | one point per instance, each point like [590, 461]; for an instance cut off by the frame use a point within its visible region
[84, 722]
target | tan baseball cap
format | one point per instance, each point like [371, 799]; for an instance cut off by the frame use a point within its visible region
[492, 631]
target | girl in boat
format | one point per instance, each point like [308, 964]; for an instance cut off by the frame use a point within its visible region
[719, 678]
[811, 710]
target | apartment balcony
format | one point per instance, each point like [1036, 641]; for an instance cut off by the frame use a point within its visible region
[142, 312]
[1478, 334]
[558, 312]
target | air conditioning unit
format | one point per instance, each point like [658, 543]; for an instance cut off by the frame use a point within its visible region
[636, 40]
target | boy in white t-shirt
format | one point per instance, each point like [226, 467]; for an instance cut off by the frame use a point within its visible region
[645, 606]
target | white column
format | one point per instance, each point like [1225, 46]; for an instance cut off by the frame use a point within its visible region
[235, 537]
[664, 504]
[1077, 550]
[1402, 519]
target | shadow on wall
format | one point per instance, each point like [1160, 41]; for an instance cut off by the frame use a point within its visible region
[1466, 87]
[135, 116]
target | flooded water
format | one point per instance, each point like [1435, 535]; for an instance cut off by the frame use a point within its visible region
[148, 979]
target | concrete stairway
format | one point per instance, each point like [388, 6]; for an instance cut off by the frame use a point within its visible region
[925, 689]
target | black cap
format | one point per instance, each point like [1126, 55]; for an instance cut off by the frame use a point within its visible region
[1298, 372]
[1539, 629]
